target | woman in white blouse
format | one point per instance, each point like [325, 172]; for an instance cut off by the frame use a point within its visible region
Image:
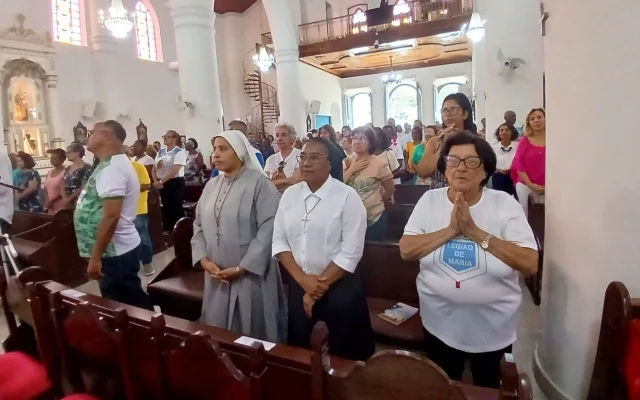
[505, 150]
[168, 176]
[319, 237]
[472, 242]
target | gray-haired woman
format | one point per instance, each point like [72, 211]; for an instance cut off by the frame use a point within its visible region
[282, 168]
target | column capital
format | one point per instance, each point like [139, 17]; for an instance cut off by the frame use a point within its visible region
[287, 55]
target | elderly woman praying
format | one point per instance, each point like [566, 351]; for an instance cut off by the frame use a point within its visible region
[232, 242]
[472, 243]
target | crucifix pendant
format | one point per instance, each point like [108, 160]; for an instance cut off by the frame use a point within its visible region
[218, 238]
[305, 220]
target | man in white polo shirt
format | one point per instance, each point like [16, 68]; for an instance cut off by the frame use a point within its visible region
[104, 216]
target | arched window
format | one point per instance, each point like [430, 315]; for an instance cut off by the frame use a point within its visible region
[404, 103]
[358, 108]
[147, 32]
[443, 88]
[68, 21]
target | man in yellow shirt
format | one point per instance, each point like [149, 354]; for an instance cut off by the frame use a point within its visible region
[142, 219]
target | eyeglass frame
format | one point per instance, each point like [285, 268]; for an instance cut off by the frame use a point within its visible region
[462, 160]
[450, 110]
[302, 158]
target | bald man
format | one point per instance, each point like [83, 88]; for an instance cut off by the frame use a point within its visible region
[510, 118]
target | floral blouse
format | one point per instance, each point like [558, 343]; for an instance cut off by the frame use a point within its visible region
[74, 180]
[35, 201]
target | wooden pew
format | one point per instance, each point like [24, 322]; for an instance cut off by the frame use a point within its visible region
[409, 194]
[192, 194]
[124, 352]
[608, 380]
[25, 221]
[387, 279]
[397, 217]
[155, 222]
[536, 220]
[52, 245]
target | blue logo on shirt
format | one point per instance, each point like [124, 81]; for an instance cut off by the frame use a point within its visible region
[460, 255]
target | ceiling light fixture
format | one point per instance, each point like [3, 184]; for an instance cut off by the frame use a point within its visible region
[119, 23]
[262, 59]
[475, 29]
[392, 77]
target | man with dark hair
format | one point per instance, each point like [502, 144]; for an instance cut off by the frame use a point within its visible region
[104, 217]
[510, 118]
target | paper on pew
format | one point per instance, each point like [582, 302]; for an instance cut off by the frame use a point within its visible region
[247, 341]
[398, 313]
[73, 293]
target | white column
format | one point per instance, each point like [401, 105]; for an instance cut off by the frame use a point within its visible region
[478, 80]
[282, 21]
[378, 94]
[196, 50]
[592, 196]
[4, 128]
[231, 49]
[516, 31]
[53, 113]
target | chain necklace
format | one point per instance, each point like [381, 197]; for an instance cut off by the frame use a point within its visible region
[218, 214]
[306, 217]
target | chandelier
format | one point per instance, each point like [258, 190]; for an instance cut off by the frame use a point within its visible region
[392, 78]
[262, 59]
[119, 23]
[475, 28]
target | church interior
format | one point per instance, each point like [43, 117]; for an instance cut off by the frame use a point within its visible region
[166, 71]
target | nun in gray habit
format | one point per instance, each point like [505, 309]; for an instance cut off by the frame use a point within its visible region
[231, 241]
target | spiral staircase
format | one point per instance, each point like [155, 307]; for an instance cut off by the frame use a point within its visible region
[265, 110]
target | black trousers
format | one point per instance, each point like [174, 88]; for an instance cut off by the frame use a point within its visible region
[503, 182]
[121, 282]
[172, 195]
[485, 367]
[344, 309]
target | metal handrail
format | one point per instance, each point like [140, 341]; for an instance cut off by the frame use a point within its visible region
[268, 96]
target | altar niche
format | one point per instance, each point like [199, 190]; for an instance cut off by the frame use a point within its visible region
[24, 107]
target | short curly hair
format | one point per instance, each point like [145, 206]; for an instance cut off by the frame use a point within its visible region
[484, 150]
[26, 159]
[514, 131]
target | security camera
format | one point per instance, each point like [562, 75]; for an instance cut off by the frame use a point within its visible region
[376, 44]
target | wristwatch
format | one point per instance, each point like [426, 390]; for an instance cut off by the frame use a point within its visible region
[485, 243]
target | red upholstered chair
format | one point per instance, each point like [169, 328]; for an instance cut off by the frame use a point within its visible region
[632, 361]
[21, 377]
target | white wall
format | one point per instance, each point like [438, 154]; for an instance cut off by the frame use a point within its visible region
[325, 88]
[424, 77]
[592, 194]
[147, 90]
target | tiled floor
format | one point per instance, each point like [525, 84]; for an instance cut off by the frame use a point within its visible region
[528, 326]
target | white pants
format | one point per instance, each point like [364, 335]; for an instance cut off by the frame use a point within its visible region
[523, 193]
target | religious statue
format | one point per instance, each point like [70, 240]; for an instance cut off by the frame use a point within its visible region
[21, 107]
[29, 145]
[80, 133]
[141, 130]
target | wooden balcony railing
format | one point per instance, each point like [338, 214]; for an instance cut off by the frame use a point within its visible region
[420, 11]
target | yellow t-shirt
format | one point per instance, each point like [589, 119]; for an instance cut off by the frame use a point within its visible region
[143, 177]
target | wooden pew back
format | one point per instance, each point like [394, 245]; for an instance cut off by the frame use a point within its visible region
[397, 217]
[409, 194]
[24, 221]
[608, 380]
[97, 335]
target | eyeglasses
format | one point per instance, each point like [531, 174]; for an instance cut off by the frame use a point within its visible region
[312, 158]
[470, 162]
[450, 110]
[170, 136]
[360, 139]
[281, 166]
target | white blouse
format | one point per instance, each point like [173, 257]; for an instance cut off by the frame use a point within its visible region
[505, 155]
[321, 227]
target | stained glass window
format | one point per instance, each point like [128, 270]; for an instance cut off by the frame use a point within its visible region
[67, 21]
[146, 34]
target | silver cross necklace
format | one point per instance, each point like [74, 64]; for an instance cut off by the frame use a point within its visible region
[307, 212]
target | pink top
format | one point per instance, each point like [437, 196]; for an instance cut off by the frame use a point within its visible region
[54, 186]
[530, 159]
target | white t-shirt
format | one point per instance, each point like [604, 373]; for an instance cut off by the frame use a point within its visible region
[396, 153]
[403, 139]
[469, 298]
[145, 160]
[505, 155]
[290, 163]
[88, 156]
[112, 178]
[167, 159]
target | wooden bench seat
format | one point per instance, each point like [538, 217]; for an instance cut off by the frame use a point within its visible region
[136, 354]
[536, 220]
[397, 217]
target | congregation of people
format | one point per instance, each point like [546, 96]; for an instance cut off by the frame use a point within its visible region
[304, 207]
